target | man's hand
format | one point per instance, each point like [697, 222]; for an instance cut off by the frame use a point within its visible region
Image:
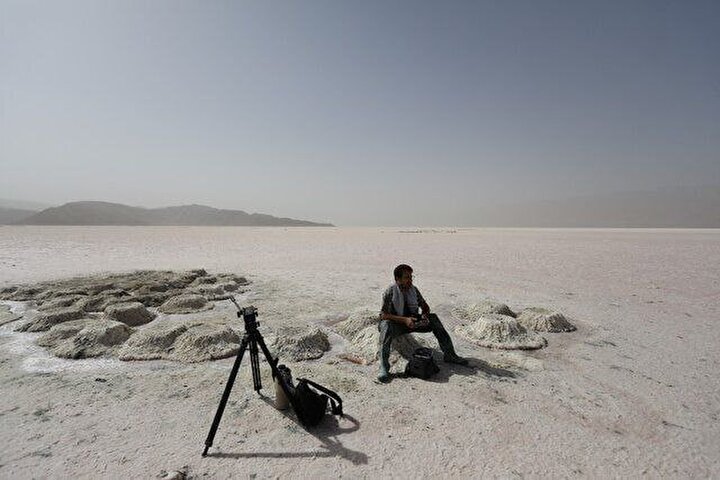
[410, 322]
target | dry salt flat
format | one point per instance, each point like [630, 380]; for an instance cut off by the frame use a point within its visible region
[593, 352]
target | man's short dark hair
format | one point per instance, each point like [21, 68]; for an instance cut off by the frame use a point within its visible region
[400, 269]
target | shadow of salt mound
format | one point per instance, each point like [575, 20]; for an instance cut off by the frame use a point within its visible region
[479, 365]
[502, 332]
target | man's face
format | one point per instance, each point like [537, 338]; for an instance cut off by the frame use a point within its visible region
[405, 280]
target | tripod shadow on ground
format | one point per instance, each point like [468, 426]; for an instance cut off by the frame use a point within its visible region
[327, 432]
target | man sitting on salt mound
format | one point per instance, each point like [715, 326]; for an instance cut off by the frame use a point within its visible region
[399, 315]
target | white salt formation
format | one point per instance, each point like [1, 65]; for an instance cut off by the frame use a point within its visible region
[296, 342]
[500, 331]
[153, 342]
[357, 321]
[45, 320]
[541, 319]
[129, 313]
[6, 315]
[92, 316]
[85, 338]
[364, 344]
[61, 302]
[204, 342]
[186, 303]
[95, 293]
[475, 310]
[66, 330]
[100, 301]
[187, 342]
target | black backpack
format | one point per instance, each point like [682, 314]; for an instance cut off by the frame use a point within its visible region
[309, 406]
[421, 364]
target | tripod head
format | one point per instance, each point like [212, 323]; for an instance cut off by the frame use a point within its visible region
[249, 314]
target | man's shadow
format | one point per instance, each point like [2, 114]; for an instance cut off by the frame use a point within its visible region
[326, 432]
[474, 366]
[405, 345]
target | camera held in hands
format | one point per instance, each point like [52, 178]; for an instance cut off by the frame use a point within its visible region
[420, 321]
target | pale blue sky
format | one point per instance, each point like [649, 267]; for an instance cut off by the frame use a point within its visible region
[322, 109]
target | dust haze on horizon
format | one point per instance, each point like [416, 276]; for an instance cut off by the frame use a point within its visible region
[372, 113]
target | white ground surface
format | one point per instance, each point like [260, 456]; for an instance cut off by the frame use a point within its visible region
[634, 392]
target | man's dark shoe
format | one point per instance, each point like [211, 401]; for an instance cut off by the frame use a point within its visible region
[455, 359]
[383, 374]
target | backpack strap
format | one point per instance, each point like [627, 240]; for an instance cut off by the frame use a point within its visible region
[335, 400]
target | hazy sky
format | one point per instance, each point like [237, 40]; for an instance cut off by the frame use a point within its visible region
[358, 113]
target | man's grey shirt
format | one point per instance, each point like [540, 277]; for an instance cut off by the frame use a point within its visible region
[389, 307]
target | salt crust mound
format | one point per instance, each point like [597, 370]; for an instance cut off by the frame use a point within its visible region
[47, 319]
[300, 342]
[475, 310]
[186, 303]
[99, 302]
[204, 342]
[95, 293]
[6, 315]
[69, 311]
[500, 331]
[152, 343]
[364, 346]
[63, 331]
[541, 319]
[85, 338]
[357, 321]
[187, 342]
[62, 302]
[129, 313]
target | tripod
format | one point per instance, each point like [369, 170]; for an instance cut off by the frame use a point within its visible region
[251, 338]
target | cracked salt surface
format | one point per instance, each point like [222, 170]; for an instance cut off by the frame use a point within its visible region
[36, 359]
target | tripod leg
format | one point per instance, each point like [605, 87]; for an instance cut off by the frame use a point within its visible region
[255, 364]
[273, 366]
[225, 395]
[271, 360]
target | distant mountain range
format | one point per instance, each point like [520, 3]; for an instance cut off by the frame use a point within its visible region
[8, 216]
[671, 207]
[104, 213]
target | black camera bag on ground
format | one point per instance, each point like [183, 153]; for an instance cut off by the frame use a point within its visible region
[421, 364]
[310, 406]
